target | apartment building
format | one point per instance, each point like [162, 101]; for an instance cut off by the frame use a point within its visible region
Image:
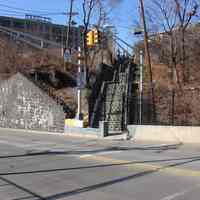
[43, 27]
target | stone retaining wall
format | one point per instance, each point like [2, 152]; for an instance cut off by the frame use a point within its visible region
[23, 105]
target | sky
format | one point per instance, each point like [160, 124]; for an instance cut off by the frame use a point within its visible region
[123, 14]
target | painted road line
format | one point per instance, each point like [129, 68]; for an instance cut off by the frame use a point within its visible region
[170, 169]
[107, 152]
[179, 194]
[85, 156]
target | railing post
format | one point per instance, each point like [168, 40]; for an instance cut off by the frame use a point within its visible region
[42, 44]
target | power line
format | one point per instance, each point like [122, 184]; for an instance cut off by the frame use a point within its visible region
[13, 15]
[8, 1]
[44, 14]
[11, 11]
[26, 10]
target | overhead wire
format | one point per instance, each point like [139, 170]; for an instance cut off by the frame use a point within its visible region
[19, 13]
[13, 15]
[30, 10]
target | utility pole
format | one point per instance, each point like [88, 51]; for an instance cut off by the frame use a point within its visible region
[69, 25]
[67, 45]
[148, 57]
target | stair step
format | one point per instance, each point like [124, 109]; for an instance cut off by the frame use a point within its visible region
[114, 99]
[116, 93]
[114, 117]
[114, 105]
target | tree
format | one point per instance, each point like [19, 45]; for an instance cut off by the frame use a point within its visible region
[163, 14]
[186, 10]
[88, 7]
[95, 13]
[173, 17]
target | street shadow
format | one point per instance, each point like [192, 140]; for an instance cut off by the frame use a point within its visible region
[3, 185]
[183, 160]
[26, 198]
[114, 181]
[109, 149]
[32, 194]
[97, 186]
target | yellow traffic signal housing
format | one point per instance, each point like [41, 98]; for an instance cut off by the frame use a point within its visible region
[90, 38]
[97, 35]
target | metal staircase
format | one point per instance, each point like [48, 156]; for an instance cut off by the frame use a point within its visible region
[111, 104]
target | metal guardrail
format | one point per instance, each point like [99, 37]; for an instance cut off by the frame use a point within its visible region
[34, 41]
[98, 106]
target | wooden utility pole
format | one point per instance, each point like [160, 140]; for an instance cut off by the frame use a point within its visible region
[69, 25]
[148, 57]
[68, 43]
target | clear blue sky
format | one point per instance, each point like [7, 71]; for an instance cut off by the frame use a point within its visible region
[123, 14]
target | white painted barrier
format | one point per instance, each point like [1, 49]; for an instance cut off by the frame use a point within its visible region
[176, 134]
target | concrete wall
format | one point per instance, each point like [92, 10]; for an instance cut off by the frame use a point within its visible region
[23, 105]
[165, 133]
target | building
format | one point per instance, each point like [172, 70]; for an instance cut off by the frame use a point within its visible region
[43, 27]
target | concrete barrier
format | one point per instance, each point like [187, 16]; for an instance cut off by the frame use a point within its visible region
[173, 134]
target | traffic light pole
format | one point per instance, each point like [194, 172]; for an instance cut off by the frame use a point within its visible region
[141, 86]
[79, 110]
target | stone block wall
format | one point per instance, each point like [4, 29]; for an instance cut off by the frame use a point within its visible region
[25, 106]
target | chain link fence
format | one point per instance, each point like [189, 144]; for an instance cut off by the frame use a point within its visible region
[179, 108]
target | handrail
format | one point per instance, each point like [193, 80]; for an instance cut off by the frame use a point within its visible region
[18, 34]
[97, 103]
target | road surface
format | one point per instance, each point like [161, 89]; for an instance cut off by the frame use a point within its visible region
[39, 166]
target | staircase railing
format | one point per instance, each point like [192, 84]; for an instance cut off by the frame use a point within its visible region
[127, 94]
[98, 106]
[34, 41]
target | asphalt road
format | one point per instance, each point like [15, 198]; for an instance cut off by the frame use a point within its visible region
[39, 166]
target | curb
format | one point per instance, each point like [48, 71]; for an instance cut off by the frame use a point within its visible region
[32, 131]
[61, 134]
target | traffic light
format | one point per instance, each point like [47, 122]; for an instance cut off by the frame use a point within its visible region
[90, 38]
[96, 36]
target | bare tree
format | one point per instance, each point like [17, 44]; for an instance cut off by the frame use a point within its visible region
[88, 7]
[186, 10]
[94, 12]
[173, 18]
[163, 14]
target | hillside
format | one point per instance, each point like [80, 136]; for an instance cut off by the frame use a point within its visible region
[17, 57]
[177, 101]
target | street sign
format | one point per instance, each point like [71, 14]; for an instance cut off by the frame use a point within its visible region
[67, 56]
